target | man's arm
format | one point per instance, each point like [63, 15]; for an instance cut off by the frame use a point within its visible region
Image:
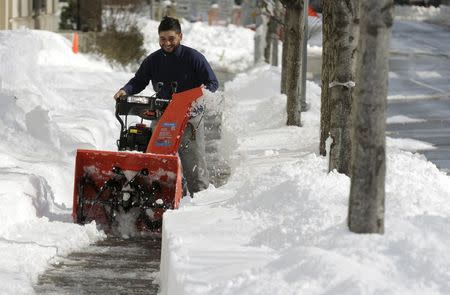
[140, 79]
[205, 73]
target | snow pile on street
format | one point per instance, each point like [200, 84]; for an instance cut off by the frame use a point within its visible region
[400, 119]
[412, 12]
[421, 13]
[228, 48]
[279, 225]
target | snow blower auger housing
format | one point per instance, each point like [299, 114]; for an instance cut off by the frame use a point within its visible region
[107, 182]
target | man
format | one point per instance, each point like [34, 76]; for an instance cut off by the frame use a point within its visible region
[189, 69]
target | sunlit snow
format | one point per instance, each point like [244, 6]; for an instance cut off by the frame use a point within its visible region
[277, 227]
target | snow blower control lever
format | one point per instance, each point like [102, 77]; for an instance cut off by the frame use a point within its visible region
[136, 137]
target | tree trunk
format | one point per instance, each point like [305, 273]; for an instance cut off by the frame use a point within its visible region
[274, 58]
[343, 46]
[284, 60]
[90, 14]
[294, 53]
[366, 208]
[325, 111]
[271, 31]
[278, 12]
[260, 41]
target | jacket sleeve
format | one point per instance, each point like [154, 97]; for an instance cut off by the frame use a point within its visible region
[205, 73]
[140, 80]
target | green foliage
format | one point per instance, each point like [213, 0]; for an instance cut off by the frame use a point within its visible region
[119, 46]
[111, 33]
[69, 16]
[121, 41]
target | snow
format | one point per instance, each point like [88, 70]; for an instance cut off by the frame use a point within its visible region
[277, 227]
[403, 119]
[43, 119]
[408, 144]
[432, 14]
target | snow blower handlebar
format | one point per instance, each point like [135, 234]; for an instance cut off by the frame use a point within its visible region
[137, 137]
[145, 107]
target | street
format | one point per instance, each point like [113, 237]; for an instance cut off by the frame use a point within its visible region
[419, 86]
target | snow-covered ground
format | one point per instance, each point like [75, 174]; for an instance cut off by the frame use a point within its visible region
[277, 227]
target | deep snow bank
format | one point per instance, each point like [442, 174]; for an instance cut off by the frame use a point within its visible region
[279, 225]
[42, 122]
[420, 13]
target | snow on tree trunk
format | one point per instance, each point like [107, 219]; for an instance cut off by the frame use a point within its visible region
[341, 81]
[366, 208]
[278, 12]
[294, 53]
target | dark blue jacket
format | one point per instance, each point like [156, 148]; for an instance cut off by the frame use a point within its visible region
[185, 65]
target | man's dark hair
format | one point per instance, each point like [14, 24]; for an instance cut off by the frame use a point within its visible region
[169, 24]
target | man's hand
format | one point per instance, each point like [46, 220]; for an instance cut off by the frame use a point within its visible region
[119, 94]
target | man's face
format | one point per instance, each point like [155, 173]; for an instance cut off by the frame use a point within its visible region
[169, 40]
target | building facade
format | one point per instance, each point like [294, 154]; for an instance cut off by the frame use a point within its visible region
[32, 14]
[193, 10]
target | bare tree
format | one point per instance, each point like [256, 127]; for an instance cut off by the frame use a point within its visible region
[294, 21]
[271, 31]
[261, 19]
[366, 208]
[342, 44]
[278, 14]
[90, 14]
[271, 11]
[284, 60]
[325, 111]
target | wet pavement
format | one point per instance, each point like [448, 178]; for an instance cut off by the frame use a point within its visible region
[419, 60]
[435, 129]
[112, 266]
[419, 86]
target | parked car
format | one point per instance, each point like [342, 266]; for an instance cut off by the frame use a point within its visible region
[418, 2]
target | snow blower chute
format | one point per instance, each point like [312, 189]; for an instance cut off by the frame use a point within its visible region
[108, 183]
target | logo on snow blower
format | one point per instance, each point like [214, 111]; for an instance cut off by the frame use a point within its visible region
[166, 134]
[171, 125]
[163, 142]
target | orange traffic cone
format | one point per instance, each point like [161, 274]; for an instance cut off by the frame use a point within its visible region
[75, 43]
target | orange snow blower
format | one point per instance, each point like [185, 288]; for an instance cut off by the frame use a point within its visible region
[108, 183]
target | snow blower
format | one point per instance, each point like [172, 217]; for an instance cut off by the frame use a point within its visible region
[145, 174]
